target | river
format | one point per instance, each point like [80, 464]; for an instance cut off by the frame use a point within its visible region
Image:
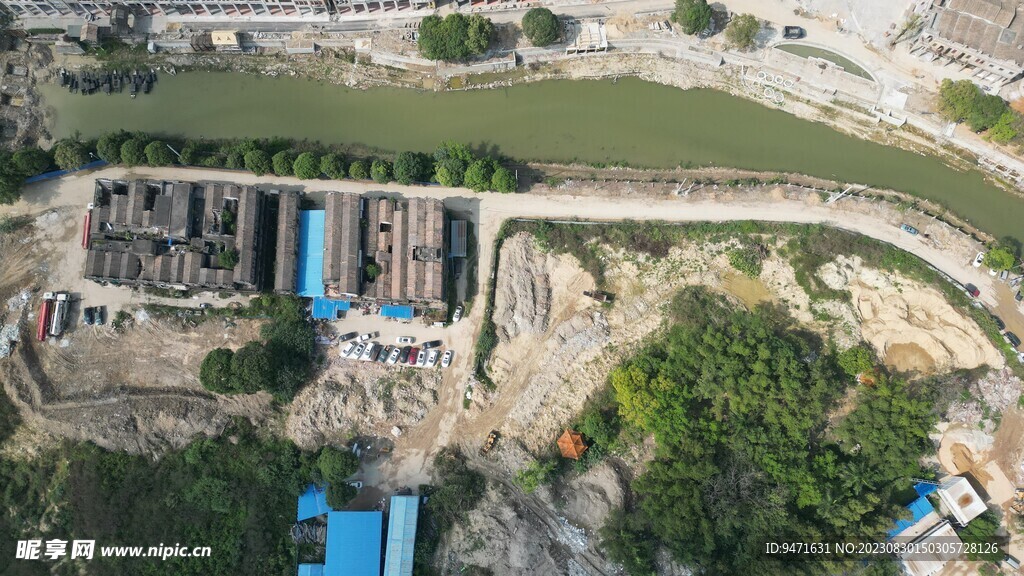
[641, 123]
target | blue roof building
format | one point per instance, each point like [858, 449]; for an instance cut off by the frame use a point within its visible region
[353, 543]
[311, 570]
[399, 312]
[312, 503]
[328, 309]
[402, 518]
[310, 276]
[918, 509]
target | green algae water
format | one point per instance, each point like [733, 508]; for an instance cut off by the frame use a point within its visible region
[594, 121]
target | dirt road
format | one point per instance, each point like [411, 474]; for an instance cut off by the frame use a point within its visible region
[487, 211]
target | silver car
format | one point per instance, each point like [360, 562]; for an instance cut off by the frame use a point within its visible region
[432, 358]
[421, 360]
[358, 352]
[347, 350]
[446, 360]
[395, 353]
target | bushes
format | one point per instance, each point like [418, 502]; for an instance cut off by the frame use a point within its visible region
[535, 474]
[540, 26]
[742, 31]
[307, 166]
[747, 259]
[963, 101]
[227, 259]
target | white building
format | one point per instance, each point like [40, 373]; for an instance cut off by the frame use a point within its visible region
[960, 500]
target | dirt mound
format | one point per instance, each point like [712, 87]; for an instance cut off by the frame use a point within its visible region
[522, 296]
[591, 496]
[355, 396]
[908, 323]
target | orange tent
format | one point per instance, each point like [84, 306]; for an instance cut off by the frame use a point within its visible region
[571, 444]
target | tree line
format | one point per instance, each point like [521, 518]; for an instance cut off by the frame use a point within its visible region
[452, 164]
[964, 101]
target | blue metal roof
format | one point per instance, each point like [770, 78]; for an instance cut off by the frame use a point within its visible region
[312, 503]
[458, 243]
[402, 518]
[353, 543]
[400, 312]
[311, 570]
[310, 277]
[919, 508]
[327, 309]
[924, 489]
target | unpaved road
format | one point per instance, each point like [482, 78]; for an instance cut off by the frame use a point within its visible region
[487, 211]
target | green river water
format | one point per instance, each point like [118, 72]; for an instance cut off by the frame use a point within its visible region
[638, 122]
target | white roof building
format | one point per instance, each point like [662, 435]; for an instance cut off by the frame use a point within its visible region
[960, 499]
[931, 562]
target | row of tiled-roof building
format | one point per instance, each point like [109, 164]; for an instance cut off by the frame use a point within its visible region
[172, 234]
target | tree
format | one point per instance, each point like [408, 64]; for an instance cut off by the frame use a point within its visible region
[108, 147]
[258, 162]
[987, 110]
[627, 540]
[235, 160]
[380, 171]
[411, 167]
[158, 154]
[228, 259]
[359, 170]
[856, 360]
[503, 180]
[1006, 128]
[251, 370]
[11, 179]
[540, 26]
[31, 161]
[191, 153]
[373, 270]
[1000, 259]
[339, 495]
[307, 166]
[70, 154]
[333, 165]
[336, 465]
[215, 371]
[535, 474]
[742, 31]
[479, 174]
[133, 152]
[693, 16]
[981, 533]
[479, 35]
[450, 162]
[283, 163]
[455, 37]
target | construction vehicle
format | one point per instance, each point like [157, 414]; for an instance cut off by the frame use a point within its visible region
[489, 443]
[59, 315]
[599, 296]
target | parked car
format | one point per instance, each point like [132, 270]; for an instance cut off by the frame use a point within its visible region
[993, 272]
[365, 337]
[793, 32]
[358, 352]
[346, 351]
[979, 259]
[458, 313]
[1018, 296]
[396, 352]
[973, 290]
[1004, 275]
[413, 356]
[1012, 339]
[101, 315]
[384, 354]
[908, 229]
[404, 356]
[999, 322]
[348, 336]
[421, 359]
[446, 360]
[205, 305]
[357, 485]
[87, 315]
[431, 344]
[405, 340]
[432, 358]
[374, 352]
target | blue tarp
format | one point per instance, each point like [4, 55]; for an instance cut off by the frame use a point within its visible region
[327, 309]
[353, 544]
[400, 312]
[310, 277]
[402, 518]
[311, 570]
[312, 503]
[924, 489]
[919, 509]
[59, 173]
